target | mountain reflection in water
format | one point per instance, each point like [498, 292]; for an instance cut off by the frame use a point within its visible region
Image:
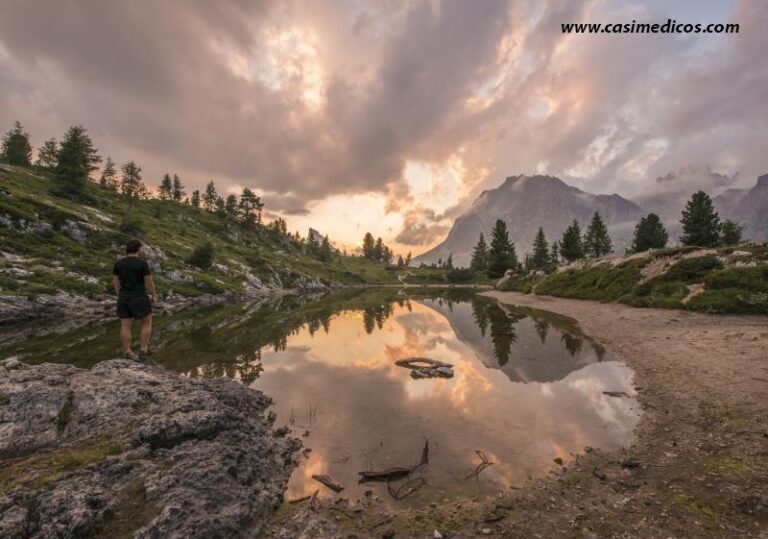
[528, 386]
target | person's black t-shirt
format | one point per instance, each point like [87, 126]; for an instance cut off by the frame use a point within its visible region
[131, 271]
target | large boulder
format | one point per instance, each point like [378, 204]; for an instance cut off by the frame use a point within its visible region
[132, 449]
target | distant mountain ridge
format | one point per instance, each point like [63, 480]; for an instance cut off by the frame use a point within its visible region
[526, 203]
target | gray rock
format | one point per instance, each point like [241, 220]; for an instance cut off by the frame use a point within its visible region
[74, 231]
[11, 363]
[196, 456]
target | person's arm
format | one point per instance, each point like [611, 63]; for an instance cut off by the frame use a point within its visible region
[116, 284]
[149, 284]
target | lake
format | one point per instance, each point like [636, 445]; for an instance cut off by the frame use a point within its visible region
[527, 387]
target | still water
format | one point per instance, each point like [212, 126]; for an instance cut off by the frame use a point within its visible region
[527, 387]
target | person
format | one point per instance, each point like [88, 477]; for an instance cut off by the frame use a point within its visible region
[135, 289]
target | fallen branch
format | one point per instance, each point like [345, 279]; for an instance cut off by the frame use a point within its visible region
[313, 500]
[396, 472]
[329, 482]
[616, 394]
[484, 463]
[407, 488]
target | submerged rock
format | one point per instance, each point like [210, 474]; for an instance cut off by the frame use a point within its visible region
[126, 448]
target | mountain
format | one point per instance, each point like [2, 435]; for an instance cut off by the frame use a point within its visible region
[527, 202]
[747, 207]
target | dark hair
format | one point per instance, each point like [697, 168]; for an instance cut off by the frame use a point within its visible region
[133, 246]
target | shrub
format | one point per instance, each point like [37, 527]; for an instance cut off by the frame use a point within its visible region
[692, 269]
[131, 226]
[202, 256]
[460, 275]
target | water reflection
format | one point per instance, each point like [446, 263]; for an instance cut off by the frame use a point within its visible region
[528, 386]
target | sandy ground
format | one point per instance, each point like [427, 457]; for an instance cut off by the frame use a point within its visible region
[698, 468]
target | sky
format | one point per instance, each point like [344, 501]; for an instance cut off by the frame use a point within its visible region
[392, 116]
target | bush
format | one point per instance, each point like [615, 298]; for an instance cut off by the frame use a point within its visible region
[202, 257]
[131, 226]
[692, 269]
[460, 275]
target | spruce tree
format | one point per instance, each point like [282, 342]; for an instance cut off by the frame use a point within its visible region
[368, 246]
[449, 261]
[250, 207]
[209, 197]
[46, 154]
[554, 255]
[571, 247]
[220, 206]
[408, 259]
[649, 234]
[378, 250]
[231, 206]
[540, 258]
[108, 178]
[597, 243]
[165, 191]
[730, 233]
[131, 185]
[178, 189]
[701, 224]
[325, 250]
[15, 148]
[480, 255]
[501, 255]
[76, 159]
[195, 199]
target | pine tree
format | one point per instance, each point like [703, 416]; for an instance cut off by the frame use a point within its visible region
[76, 159]
[368, 246]
[554, 255]
[108, 178]
[195, 200]
[408, 259]
[231, 206]
[46, 154]
[209, 197]
[220, 206]
[325, 250]
[165, 191]
[400, 261]
[597, 243]
[501, 255]
[649, 234]
[479, 260]
[701, 224]
[131, 185]
[540, 259]
[15, 148]
[250, 207]
[730, 233]
[571, 247]
[449, 261]
[378, 250]
[178, 189]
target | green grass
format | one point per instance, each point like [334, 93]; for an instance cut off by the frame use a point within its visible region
[59, 263]
[728, 287]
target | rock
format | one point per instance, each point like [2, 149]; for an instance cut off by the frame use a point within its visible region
[160, 455]
[388, 534]
[74, 231]
[12, 363]
[437, 535]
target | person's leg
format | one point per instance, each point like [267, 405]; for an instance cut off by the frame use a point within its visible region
[125, 334]
[146, 333]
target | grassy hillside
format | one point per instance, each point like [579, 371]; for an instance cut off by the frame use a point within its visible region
[51, 243]
[725, 280]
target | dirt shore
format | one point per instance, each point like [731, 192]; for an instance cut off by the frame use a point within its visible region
[698, 467]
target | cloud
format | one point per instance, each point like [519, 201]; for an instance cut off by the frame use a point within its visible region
[421, 227]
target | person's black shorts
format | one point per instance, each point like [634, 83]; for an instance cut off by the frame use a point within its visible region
[133, 307]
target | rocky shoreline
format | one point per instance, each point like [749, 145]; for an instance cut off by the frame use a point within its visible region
[132, 449]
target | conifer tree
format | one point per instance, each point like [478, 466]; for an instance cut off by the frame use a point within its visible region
[165, 190]
[209, 197]
[195, 199]
[479, 260]
[597, 243]
[231, 206]
[15, 148]
[554, 255]
[131, 185]
[400, 261]
[540, 258]
[571, 247]
[449, 261]
[178, 189]
[220, 206]
[649, 234]
[408, 259]
[368, 246]
[378, 250]
[501, 255]
[46, 154]
[250, 207]
[701, 223]
[730, 233]
[325, 250]
[108, 178]
[76, 159]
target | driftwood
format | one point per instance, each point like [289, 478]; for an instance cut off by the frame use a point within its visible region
[329, 482]
[615, 394]
[484, 463]
[398, 472]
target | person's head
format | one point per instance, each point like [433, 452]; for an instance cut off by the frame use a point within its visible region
[133, 247]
